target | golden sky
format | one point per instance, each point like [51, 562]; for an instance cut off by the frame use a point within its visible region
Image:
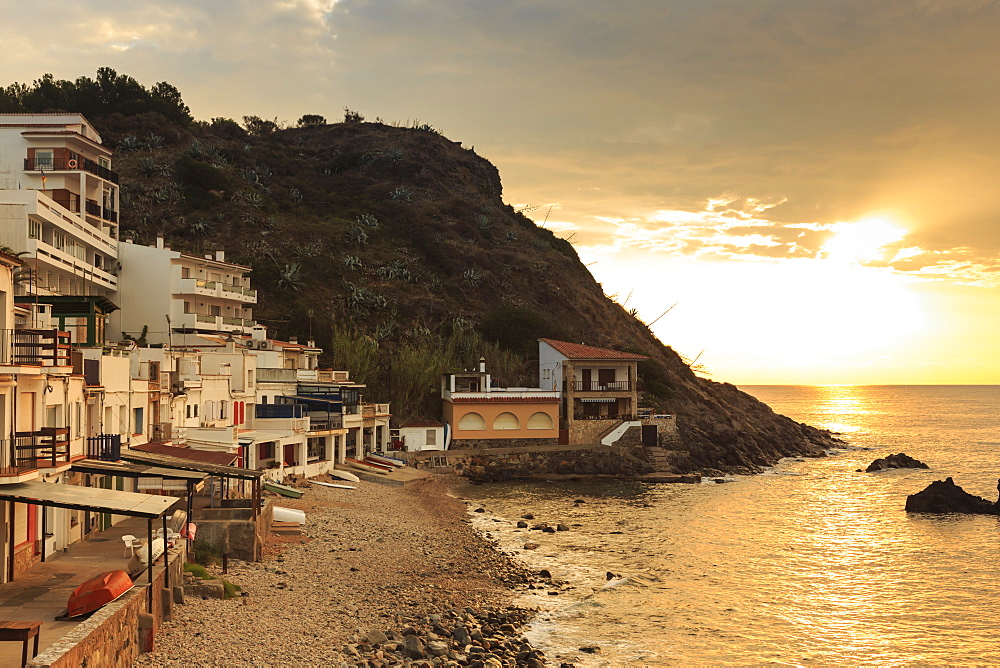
[813, 183]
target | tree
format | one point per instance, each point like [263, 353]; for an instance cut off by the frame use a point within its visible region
[311, 119]
[351, 116]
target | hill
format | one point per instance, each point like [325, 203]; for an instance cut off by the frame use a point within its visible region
[393, 248]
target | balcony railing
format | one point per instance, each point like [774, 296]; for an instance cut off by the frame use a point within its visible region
[37, 347]
[325, 422]
[95, 209]
[49, 446]
[69, 165]
[10, 465]
[599, 386]
[106, 447]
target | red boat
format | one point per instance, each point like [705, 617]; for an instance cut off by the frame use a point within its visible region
[97, 592]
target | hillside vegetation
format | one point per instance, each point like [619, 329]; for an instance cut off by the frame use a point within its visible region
[393, 248]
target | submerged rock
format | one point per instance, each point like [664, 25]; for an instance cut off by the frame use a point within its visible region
[944, 496]
[900, 461]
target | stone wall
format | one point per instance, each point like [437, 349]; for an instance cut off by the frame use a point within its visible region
[589, 431]
[234, 531]
[480, 443]
[111, 637]
[24, 559]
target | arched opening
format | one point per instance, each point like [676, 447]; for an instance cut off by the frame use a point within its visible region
[472, 422]
[540, 421]
[506, 421]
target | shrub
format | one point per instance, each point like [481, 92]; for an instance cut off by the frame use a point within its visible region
[311, 119]
[206, 553]
[198, 571]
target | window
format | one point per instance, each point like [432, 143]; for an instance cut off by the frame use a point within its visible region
[472, 422]
[506, 421]
[137, 421]
[546, 374]
[34, 229]
[187, 410]
[187, 307]
[431, 438]
[44, 159]
[540, 421]
[185, 272]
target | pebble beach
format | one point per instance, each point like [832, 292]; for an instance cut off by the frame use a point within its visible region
[379, 575]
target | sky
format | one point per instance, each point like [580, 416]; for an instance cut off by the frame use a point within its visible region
[795, 191]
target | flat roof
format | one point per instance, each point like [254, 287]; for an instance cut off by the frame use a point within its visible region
[207, 456]
[182, 464]
[97, 499]
[128, 470]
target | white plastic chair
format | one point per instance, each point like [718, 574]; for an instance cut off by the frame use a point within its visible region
[131, 542]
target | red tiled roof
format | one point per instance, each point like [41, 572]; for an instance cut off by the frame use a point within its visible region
[578, 351]
[422, 423]
[220, 458]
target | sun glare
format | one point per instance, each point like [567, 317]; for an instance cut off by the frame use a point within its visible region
[862, 241]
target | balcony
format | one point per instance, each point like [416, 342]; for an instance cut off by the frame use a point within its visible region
[271, 375]
[104, 213]
[49, 446]
[69, 165]
[198, 286]
[106, 447]
[35, 347]
[239, 293]
[598, 386]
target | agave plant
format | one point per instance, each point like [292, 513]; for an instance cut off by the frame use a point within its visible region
[195, 150]
[368, 220]
[482, 222]
[295, 195]
[154, 141]
[290, 276]
[401, 194]
[149, 167]
[512, 235]
[352, 262]
[472, 277]
[129, 143]
[356, 235]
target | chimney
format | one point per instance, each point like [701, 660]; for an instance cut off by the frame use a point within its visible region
[293, 339]
[312, 343]
[482, 365]
[258, 333]
[220, 255]
[159, 241]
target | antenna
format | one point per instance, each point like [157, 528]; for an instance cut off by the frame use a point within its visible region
[547, 216]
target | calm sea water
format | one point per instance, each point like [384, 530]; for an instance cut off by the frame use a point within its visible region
[810, 563]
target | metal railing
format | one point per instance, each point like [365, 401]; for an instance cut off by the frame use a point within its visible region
[106, 447]
[599, 386]
[49, 446]
[37, 347]
[69, 164]
[619, 416]
[325, 422]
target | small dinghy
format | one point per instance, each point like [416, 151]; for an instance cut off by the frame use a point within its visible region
[378, 464]
[343, 475]
[143, 552]
[331, 484]
[366, 467]
[284, 490]
[97, 592]
[282, 514]
[398, 463]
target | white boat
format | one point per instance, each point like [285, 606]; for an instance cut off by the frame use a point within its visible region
[143, 552]
[282, 514]
[343, 475]
[330, 484]
[398, 463]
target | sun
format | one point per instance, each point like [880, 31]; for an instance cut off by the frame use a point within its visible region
[862, 241]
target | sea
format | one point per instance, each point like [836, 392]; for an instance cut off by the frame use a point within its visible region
[813, 562]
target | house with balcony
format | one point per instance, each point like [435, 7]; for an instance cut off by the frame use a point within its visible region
[480, 414]
[59, 206]
[174, 296]
[598, 389]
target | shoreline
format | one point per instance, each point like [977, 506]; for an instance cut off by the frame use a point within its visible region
[372, 567]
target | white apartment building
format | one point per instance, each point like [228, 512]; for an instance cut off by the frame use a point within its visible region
[176, 296]
[59, 203]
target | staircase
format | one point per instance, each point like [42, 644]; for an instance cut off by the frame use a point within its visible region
[659, 458]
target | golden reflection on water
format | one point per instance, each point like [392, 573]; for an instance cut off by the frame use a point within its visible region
[840, 407]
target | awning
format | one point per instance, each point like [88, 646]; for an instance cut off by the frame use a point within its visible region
[598, 401]
[207, 456]
[248, 437]
[167, 461]
[94, 499]
[127, 470]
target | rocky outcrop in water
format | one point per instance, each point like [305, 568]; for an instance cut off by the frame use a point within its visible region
[900, 461]
[944, 496]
